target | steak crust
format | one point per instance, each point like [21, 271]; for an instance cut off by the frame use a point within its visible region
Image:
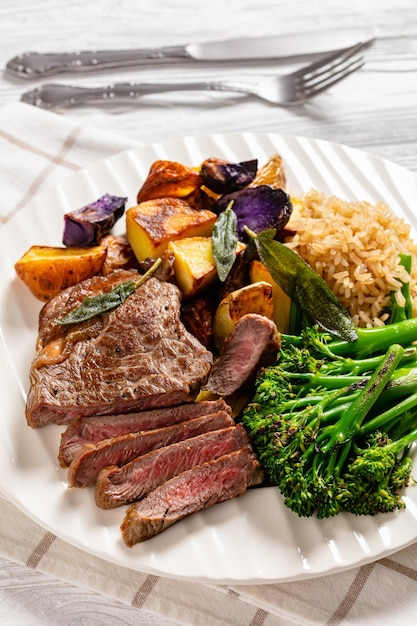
[140, 357]
[193, 490]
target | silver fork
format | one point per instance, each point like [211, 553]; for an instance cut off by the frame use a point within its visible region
[284, 90]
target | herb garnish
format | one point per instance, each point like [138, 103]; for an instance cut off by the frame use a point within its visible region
[224, 240]
[92, 306]
[303, 285]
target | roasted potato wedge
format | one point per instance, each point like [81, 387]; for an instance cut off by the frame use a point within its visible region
[151, 225]
[46, 270]
[253, 298]
[282, 303]
[169, 179]
[194, 266]
[271, 173]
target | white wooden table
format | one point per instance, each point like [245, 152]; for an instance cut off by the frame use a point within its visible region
[374, 110]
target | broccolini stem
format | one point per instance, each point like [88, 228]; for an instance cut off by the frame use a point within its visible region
[352, 419]
[377, 339]
[383, 420]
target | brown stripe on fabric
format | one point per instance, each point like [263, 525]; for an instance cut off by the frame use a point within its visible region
[35, 150]
[41, 549]
[144, 591]
[53, 162]
[260, 617]
[400, 569]
[352, 595]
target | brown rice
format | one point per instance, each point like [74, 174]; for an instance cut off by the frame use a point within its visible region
[355, 247]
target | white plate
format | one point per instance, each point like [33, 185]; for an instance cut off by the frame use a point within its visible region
[252, 539]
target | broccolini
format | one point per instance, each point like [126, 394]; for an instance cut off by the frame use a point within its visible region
[333, 422]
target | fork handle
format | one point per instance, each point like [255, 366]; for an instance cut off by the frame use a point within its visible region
[64, 96]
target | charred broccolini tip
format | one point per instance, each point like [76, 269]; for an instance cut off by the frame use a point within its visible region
[333, 422]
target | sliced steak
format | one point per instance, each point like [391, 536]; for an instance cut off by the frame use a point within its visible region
[142, 358]
[96, 428]
[253, 343]
[92, 458]
[191, 491]
[122, 485]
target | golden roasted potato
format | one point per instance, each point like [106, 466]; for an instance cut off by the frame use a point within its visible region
[194, 266]
[46, 270]
[169, 179]
[253, 298]
[282, 303]
[271, 173]
[151, 225]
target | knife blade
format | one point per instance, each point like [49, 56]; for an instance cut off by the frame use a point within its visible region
[298, 45]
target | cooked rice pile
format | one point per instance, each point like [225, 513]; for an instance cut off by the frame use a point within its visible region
[354, 246]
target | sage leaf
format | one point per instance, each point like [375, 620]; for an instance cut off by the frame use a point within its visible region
[92, 306]
[224, 240]
[304, 286]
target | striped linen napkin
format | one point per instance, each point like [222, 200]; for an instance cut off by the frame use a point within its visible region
[37, 150]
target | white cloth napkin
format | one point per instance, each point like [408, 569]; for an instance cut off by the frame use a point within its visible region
[38, 149]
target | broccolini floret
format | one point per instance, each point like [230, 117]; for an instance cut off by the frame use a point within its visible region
[333, 422]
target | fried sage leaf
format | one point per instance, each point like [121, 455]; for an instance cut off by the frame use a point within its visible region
[304, 286]
[224, 242]
[92, 306]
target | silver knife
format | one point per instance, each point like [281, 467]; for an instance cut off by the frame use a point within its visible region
[298, 45]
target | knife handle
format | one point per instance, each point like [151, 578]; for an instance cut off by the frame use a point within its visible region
[34, 64]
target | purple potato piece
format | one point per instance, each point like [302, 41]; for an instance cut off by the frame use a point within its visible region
[258, 208]
[86, 226]
[223, 177]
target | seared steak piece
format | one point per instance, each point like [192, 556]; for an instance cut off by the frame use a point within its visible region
[92, 458]
[122, 485]
[142, 357]
[96, 428]
[253, 343]
[191, 491]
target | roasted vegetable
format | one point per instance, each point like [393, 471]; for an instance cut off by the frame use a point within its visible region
[272, 174]
[47, 270]
[87, 226]
[198, 316]
[119, 254]
[151, 225]
[257, 208]
[194, 266]
[282, 303]
[335, 433]
[254, 298]
[169, 179]
[223, 177]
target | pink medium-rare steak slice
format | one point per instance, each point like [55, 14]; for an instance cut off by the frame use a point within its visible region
[252, 344]
[122, 485]
[96, 428]
[92, 458]
[191, 491]
[142, 358]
